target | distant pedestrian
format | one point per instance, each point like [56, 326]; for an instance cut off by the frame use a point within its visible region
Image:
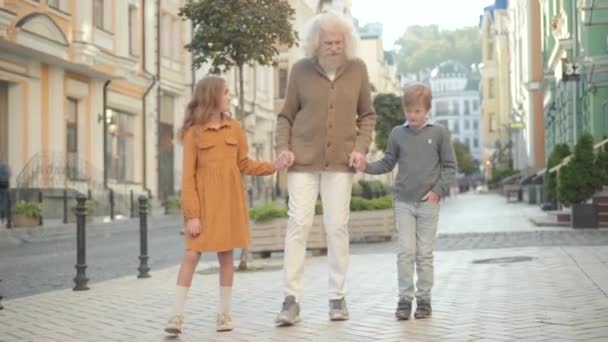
[213, 198]
[5, 177]
[423, 150]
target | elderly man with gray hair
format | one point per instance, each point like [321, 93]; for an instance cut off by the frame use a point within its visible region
[323, 132]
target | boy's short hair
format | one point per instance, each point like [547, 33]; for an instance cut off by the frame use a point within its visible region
[417, 93]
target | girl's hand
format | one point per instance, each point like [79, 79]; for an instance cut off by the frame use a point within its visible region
[193, 226]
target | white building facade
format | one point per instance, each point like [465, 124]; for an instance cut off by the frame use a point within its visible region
[456, 104]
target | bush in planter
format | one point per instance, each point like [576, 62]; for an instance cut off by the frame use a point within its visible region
[26, 214]
[560, 151]
[601, 163]
[174, 205]
[360, 204]
[89, 204]
[578, 181]
[357, 190]
[266, 213]
[373, 189]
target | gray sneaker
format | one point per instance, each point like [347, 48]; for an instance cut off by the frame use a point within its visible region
[290, 313]
[338, 310]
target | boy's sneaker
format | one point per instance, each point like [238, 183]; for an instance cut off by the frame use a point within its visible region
[290, 313]
[404, 309]
[423, 309]
[174, 326]
[338, 310]
[224, 322]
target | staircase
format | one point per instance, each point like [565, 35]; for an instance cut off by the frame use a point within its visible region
[601, 202]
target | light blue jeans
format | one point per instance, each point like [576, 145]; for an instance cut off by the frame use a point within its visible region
[416, 229]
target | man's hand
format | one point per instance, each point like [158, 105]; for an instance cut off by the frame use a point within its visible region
[361, 165]
[193, 226]
[285, 159]
[432, 197]
[355, 160]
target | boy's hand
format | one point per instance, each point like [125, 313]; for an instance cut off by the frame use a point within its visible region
[361, 165]
[432, 197]
[193, 226]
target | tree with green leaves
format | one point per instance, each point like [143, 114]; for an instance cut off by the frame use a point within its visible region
[464, 159]
[233, 33]
[423, 47]
[560, 151]
[389, 113]
[579, 180]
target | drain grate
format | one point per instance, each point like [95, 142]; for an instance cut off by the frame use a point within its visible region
[504, 260]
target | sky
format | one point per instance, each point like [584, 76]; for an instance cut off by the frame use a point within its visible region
[396, 15]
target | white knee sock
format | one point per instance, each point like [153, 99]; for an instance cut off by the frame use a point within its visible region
[180, 300]
[225, 299]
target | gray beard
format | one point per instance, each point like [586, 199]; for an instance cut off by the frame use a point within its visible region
[331, 63]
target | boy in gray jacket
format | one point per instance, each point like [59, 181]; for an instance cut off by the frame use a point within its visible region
[424, 153]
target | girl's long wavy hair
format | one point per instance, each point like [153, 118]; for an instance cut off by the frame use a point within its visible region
[207, 97]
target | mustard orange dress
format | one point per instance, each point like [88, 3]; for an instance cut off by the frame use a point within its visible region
[212, 187]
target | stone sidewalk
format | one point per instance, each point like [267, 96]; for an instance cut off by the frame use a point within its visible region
[560, 294]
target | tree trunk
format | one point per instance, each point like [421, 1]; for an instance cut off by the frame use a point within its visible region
[240, 115]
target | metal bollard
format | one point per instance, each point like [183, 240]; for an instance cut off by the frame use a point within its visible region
[40, 221]
[143, 238]
[132, 204]
[81, 279]
[9, 214]
[111, 204]
[166, 203]
[65, 206]
[1, 307]
[89, 195]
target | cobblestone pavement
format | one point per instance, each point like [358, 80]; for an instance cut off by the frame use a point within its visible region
[560, 294]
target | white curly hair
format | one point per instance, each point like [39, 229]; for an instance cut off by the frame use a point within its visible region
[329, 21]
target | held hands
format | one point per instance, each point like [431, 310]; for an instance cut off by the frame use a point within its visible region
[193, 227]
[284, 160]
[357, 160]
[432, 197]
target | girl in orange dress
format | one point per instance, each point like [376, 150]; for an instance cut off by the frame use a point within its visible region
[213, 198]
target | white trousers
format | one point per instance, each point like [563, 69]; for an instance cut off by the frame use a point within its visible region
[303, 188]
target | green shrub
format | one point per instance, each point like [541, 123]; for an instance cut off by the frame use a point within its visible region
[27, 208]
[560, 151]
[601, 163]
[499, 174]
[266, 213]
[360, 204]
[357, 190]
[174, 202]
[579, 180]
[89, 204]
[373, 189]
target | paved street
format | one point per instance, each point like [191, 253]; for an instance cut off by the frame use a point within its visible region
[559, 290]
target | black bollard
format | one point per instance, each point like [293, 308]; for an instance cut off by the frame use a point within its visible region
[1, 307]
[166, 202]
[9, 211]
[132, 204]
[65, 206]
[40, 222]
[81, 279]
[89, 195]
[143, 238]
[111, 204]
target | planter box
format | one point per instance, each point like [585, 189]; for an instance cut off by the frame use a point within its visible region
[25, 221]
[584, 216]
[368, 225]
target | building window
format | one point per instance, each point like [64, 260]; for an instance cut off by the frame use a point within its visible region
[133, 31]
[467, 108]
[456, 107]
[120, 146]
[490, 51]
[475, 125]
[492, 122]
[475, 105]
[491, 88]
[456, 128]
[282, 82]
[166, 35]
[98, 17]
[53, 3]
[475, 143]
[467, 141]
[71, 129]
[441, 108]
[467, 125]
